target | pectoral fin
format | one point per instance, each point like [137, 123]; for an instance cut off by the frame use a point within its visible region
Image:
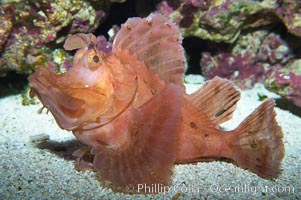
[148, 155]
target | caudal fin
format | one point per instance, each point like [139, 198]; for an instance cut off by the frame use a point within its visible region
[257, 143]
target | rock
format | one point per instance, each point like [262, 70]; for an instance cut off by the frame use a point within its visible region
[286, 81]
[32, 31]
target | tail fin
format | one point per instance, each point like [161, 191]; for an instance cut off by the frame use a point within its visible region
[258, 144]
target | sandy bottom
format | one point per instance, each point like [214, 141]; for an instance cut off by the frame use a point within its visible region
[34, 167]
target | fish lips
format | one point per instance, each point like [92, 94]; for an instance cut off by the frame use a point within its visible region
[65, 108]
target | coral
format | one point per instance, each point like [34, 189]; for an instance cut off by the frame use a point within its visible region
[289, 11]
[6, 23]
[244, 43]
[249, 59]
[219, 20]
[240, 68]
[106, 45]
[224, 20]
[244, 40]
[286, 81]
[35, 29]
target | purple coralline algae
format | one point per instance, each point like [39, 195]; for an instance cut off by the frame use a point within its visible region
[247, 41]
[6, 23]
[104, 44]
[286, 81]
[218, 20]
[224, 20]
[289, 11]
[32, 31]
[248, 61]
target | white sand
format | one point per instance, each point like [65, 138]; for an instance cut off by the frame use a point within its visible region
[46, 170]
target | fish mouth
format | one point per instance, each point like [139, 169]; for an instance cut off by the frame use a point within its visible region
[65, 108]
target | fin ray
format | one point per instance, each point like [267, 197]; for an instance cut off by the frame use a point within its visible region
[149, 154]
[258, 142]
[150, 39]
[217, 99]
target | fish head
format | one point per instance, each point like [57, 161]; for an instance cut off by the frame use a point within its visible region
[82, 94]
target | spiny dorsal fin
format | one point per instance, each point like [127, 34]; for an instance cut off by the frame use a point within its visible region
[156, 41]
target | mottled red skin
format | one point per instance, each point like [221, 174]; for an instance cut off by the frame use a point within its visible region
[130, 107]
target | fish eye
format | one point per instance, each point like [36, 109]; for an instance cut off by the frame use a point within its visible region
[96, 59]
[93, 59]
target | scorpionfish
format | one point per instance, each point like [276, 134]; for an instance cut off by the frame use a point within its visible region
[130, 110]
